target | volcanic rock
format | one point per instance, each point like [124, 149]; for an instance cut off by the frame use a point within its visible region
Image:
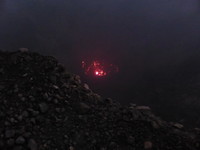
[32, 145]
[148, 145]
[44, 107]
[9, 133]
[20, 140]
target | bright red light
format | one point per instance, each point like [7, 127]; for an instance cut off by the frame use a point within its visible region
[100, 73]
[98, 68]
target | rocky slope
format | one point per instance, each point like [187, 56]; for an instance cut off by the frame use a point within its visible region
[43, 107]
[175, 88]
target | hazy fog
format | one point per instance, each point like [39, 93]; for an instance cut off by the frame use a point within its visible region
[137, 35]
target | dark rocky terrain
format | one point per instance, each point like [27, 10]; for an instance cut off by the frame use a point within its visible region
[175, 88]
[44, 107]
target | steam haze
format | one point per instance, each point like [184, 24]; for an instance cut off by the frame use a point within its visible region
[137, 35]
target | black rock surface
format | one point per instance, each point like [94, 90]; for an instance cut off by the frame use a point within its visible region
[43, 107]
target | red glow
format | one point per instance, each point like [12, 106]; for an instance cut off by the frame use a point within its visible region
[98, 68]
[100, 73]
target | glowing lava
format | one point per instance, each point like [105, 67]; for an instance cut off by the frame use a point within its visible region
[100, 73]
[98, 68]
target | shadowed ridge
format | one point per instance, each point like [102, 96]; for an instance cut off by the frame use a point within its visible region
[43, 107]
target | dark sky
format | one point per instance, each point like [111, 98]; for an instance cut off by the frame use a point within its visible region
[138, 35]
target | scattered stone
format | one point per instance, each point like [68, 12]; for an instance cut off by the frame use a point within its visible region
[31, 98]
[84, 108]
[25, 114]
[33, 121]
[20, 140]
[71, 148]
[20, 117]
[112, 145]
[131, 140]
[43, 107]
[10, 142]
[58, 112]
[9, 133]
[86, 86]
[178, 125]
[6, 123]
[24, 75]
[155, 125]
[148, 145]
[132, 105]
[27, 134]
[12, 120]
[32, 145]
[34, 112]
[109, 100]
[55, 87]
[45, 96]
